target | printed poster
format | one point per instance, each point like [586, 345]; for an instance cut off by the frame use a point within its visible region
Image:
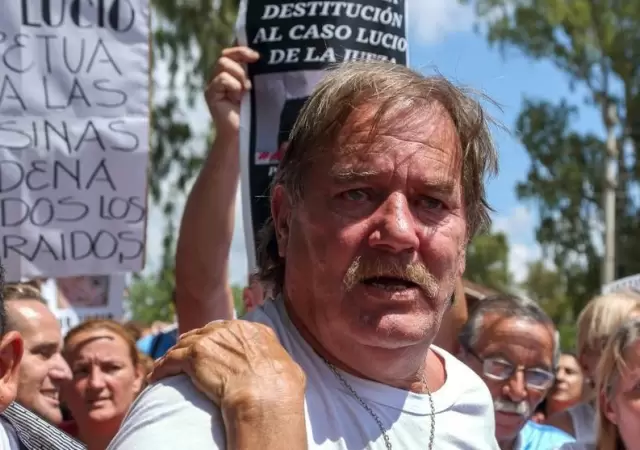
[76, 299]
[297, 42]
[74, 136]
[631, 283]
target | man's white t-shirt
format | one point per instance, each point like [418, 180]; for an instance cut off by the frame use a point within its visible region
[173, 414]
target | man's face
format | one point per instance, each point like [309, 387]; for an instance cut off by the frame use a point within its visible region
[391, 207]
[43, 368]
[505, 344]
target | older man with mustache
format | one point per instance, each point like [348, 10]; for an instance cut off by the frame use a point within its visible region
[513, 345]
[378, 194]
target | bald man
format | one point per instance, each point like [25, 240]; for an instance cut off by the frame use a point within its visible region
[43, 368]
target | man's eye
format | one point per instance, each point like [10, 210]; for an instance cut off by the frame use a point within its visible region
[355, 195]
[431, 203]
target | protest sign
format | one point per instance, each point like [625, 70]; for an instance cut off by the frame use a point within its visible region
[297, 41]
[76, 299]
[74, 136]
[630, 283]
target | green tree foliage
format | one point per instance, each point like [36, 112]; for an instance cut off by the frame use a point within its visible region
[549, 288]
[488, 261]
[150, 298]
[597, 45]
[237, 299]
[188, 38]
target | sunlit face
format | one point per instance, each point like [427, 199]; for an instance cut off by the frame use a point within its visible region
[623, 409]
[506, 343]
[105, 381]
[43, 368]
[394, 202]
[569, 380]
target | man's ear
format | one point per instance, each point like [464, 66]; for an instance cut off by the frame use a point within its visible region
[281, 213]
[11, 351]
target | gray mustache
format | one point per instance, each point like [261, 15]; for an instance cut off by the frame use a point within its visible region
[507, 406]
[361, 269]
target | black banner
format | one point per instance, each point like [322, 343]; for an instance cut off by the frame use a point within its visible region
[297, 41]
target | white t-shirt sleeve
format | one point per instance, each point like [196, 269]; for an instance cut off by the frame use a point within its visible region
[171, 414]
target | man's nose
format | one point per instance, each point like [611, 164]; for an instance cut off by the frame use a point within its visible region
[515, 387]
[60, 370]
[395, 230]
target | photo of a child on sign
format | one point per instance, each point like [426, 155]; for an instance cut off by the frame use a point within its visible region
[82, 292]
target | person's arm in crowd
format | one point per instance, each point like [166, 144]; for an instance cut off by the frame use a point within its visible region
[203, 293]
[240, 390]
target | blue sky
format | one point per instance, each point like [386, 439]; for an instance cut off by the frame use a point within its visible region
[441, 37]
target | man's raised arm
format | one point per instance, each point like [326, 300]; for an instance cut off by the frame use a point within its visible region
[202, 258]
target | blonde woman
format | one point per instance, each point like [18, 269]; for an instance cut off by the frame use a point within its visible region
[618, 385]
[599, 319]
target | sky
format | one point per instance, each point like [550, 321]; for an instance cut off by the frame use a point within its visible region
[442, 39]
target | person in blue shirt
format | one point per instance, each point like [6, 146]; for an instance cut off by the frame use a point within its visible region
[157, 344]
[514, 346]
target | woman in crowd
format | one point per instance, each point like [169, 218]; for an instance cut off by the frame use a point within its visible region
[599, 319]
[566, 391]
[107, 377]
[617, 383]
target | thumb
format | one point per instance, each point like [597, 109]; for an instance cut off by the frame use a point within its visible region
[173, 363]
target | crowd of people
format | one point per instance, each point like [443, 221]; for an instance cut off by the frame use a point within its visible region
[357, 333]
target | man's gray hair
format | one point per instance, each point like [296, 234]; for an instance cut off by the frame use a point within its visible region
[398, 95]
[507, 306]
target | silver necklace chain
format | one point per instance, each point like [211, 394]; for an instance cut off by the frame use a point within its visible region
[385, 436]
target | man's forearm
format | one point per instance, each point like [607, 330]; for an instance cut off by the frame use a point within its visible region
[205, 240]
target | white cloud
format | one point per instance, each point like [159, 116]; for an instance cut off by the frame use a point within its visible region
[518, 226]
[430, 21]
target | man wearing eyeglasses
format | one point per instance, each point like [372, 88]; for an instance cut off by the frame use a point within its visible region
[513, 345]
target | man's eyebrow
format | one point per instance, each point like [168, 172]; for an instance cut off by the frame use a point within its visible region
[351, 174]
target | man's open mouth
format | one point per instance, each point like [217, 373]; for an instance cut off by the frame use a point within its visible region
[388, 283]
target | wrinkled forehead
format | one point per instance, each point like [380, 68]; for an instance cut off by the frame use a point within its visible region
[400, 135]
[429, 124]
[503, 331]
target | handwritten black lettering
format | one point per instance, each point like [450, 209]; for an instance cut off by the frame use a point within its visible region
[102, 86]
[106, 57]
[117, 127]
[12, 57]
[118, 15]
[57, 176]
[8, 92]
[14, 211]
[76, 245]
[118, 208]
[55, 135]
[40, 175]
